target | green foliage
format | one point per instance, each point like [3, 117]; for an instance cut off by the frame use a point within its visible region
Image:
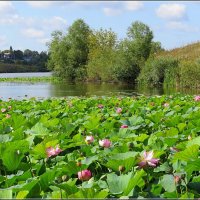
[83, 54]
[156, 48]
[158, 71]
[69, 53]
[140, 36]
[189, 74]
[127, 66]
[133, 52]
[102, 55]
[26, 171]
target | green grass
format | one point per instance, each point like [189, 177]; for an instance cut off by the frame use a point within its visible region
[31, 79]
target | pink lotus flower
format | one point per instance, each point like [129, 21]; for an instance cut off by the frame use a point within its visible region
[84, 175]
[119, 110]
[53, 152]
[3, 110]
[166, 105]
[177, 179]
[8, 116]
[106, 143]
[100, 106]
[148, 160]
[124, 126]
[89, 139]
[197, 98]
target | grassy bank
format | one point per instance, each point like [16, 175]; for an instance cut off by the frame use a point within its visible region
[185, 53]
[31, 79]
[151, 148]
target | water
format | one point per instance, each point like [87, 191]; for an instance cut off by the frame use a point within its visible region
[22, 90]
[21, 75]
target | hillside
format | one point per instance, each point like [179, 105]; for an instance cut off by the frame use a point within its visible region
[186, 53]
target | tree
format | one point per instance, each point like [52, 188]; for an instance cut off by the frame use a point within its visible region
[156, 48]
[69, 53]
[127, 67]
[133, 51]
[78, 38]
[102, 55]
[27, 53]
[11, 50]
[140, 41]
[57, 49]
[18, 54]
[43, 57]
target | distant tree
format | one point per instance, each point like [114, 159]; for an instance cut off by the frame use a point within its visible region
[27, 53]
[11, 50]
[42, 63]
[18, 54]
[35, 57]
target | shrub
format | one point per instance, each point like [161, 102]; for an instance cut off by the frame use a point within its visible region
[159, 71]
[189, 73]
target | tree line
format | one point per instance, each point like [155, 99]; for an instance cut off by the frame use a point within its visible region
[22, 61]
[98, 55]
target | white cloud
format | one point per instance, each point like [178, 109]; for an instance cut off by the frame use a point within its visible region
[8, 14]
[133, 5]
[116, 7]
[6, 7]
[171, 11]
[33, 33]
[41, 4]
[10, 19]
[177, 25]
[55, 22]
[112, 11]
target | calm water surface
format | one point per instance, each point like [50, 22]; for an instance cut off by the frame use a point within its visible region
[21, 90]
[19, 75]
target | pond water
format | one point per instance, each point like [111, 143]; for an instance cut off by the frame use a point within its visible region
[22, 90]
[27, 74]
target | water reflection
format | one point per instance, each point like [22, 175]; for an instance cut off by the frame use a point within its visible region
[91, 89]
[46, 90]
[110, 89]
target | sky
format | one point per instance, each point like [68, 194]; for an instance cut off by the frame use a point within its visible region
[29, 24]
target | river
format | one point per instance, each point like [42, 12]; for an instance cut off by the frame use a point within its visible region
[20, 90]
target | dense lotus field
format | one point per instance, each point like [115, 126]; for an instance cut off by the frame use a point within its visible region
[112, 147]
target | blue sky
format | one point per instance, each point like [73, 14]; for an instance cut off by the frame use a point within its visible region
[29, 24]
